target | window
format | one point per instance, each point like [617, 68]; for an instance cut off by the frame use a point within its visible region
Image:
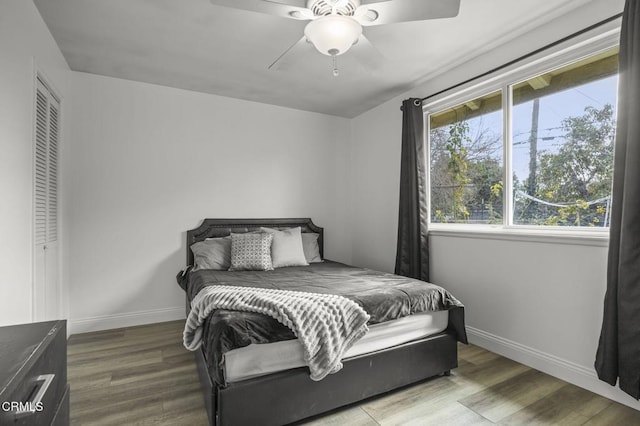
[533, 149]
[466, 162]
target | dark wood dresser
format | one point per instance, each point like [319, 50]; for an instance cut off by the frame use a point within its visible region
[33, 374]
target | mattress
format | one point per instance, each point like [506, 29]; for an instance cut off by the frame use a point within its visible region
[385, 297]
[260, 359]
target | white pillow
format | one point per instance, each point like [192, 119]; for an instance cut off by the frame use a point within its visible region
[286, 248]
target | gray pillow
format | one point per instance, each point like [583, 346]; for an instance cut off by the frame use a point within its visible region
[310, 247]
[251, 252]
[286, 248]
[212, 253]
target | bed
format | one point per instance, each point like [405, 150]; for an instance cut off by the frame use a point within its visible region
[274, 394]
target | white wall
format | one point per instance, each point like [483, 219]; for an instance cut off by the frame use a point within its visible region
[539, 303]
[25, 42]
[148, 162]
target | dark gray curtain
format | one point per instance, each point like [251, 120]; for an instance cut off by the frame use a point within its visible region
[618, 355]
[412, 255]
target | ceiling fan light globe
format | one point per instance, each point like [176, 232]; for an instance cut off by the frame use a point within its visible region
[333, 33]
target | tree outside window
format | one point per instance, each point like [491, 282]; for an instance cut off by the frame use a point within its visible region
[563, 124]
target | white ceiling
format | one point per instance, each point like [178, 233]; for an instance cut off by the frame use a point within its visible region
[192, 44]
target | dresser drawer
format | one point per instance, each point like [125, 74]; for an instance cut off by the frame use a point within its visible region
[61, 418]
[35, 398]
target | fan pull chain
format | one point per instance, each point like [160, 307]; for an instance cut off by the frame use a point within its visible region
[334, 56]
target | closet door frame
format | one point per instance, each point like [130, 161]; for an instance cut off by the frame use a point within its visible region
[47, 296]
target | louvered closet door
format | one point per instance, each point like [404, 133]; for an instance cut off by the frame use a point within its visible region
[46, 297]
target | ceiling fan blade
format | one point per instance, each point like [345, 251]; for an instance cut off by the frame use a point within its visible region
[294, 9]
[292, 55]
[366, 54]
[377, 12]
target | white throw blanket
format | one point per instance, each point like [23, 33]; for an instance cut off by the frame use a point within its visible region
[326, 325]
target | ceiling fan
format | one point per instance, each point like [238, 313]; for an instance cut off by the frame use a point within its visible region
[336, 25]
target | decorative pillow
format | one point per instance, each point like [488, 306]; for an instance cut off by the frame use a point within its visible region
[251, 252]
[311, 247]
[286, 249]
[212, 253]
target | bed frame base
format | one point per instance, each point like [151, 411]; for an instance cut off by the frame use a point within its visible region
[289, 396]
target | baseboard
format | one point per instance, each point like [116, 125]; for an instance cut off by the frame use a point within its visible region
[584, 377]
[107, 322]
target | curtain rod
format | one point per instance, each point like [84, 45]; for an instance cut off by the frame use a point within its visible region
[528, 55]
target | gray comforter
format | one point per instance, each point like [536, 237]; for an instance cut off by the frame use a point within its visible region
[383, 296]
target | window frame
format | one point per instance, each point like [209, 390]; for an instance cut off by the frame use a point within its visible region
[588, 44]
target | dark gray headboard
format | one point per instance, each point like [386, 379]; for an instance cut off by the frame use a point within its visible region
[213, 228]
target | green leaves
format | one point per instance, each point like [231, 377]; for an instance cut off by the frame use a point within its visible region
[578, 172]
[465, 173]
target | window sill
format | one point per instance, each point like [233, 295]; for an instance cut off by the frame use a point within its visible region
[597, 238]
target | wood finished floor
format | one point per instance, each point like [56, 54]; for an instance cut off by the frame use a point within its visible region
[143, 376]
